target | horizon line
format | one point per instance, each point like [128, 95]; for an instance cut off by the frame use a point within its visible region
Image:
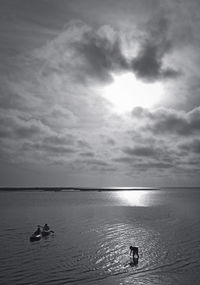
[71, 188]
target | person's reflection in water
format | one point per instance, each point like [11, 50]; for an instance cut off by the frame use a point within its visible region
[134, 255]
[133, 261]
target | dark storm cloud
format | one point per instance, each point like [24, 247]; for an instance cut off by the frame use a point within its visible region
[149, 66]
[83, 53]
[162, 121]
[149, 62]
[102, 53]
[87, 54]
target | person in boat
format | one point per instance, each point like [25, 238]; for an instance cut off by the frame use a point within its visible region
[38, 231]
[46, 228]
[134, 252]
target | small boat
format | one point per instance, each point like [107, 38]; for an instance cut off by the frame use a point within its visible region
[35, 237]
[46, 233]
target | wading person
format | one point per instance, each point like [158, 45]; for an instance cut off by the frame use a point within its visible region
[134, 252]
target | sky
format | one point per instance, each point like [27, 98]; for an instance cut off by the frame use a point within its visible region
[99, 93]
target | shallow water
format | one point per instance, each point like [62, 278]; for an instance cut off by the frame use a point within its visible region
[93, 232]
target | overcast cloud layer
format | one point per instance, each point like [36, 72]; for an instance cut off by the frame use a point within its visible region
[56, 128]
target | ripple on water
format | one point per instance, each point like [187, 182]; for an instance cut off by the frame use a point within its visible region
[91, 246]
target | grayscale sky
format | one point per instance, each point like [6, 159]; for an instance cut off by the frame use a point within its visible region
[99, 93]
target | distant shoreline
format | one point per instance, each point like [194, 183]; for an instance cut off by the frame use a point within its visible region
[59, 189]
[86, 189]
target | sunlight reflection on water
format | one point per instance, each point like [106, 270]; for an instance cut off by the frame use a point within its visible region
[139, 198]
[93, 232]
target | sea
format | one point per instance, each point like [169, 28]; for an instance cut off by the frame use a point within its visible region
[93, 231]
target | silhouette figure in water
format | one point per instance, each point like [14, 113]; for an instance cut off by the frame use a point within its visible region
[134, 255]
[38, 231]
[134, 251]
[133, 262]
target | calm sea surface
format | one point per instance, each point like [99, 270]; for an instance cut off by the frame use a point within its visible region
[93, 232]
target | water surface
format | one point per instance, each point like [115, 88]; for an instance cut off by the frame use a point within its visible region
[93, 232]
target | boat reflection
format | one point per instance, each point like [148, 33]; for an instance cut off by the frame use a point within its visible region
[139, 198]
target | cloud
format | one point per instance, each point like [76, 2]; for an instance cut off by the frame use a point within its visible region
[14, 125]
[149, 152]
[140, 151]
[87, 154]
[51, 149]
[161, 142]
[154, 165]
[102, 52]
[63, 139]
[148, 64]
[151, 165]
[94, 164]
[59, 118]
[83, 144]
[25, 138]
[169, 121]
[191, 146]
[54, 114]
[90, 55]
[86, 53]
[10, 100]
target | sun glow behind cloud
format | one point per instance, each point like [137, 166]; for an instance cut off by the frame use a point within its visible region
[127, 92]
